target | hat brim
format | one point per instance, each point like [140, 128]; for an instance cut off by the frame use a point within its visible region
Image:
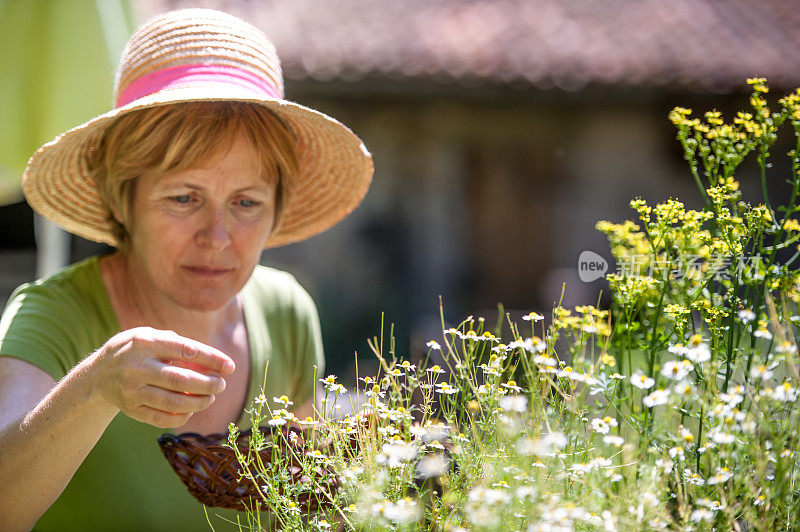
[335, 169]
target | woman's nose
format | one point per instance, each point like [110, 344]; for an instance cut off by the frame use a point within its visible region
[214, 232]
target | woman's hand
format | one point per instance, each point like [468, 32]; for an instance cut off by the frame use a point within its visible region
[158, 377]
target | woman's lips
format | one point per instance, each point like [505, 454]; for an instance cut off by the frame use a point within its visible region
[207, 271]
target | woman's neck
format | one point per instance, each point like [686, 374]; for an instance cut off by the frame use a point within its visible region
[138, 304]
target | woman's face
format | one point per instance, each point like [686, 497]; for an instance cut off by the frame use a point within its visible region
[196, 235]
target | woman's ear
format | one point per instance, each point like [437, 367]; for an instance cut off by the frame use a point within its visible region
[117, 215]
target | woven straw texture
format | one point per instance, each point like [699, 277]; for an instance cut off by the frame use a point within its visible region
[335, 166]
[213, 476]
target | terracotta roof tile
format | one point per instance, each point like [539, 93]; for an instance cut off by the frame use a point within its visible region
[569, 44]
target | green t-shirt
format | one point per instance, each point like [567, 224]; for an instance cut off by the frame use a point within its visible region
[125, 483]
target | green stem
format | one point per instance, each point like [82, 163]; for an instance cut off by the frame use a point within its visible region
[762, 163]
[699, 436]
[729, 353]
[655, 326]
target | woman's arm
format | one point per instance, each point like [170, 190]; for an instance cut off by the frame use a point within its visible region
[47, 429]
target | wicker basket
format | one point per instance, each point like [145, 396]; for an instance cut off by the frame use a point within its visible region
[214, 477]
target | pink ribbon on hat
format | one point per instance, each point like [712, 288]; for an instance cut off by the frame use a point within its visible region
[196, 75]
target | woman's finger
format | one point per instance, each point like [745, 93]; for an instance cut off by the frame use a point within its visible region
[169, 346]
[183, 380]
[173, 402]
[158, 418]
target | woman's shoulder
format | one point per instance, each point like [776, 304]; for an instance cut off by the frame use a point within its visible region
[79, 275]
[55, 321]
[75, 285]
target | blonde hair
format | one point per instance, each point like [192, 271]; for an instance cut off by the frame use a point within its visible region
[182, 136]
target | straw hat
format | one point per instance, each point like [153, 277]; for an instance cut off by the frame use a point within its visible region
[204, 55]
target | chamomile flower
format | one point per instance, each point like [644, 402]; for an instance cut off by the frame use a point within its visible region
[701, 514]
[408, 366]
[603, 425]
[677, 453]
[747, 315]
[545, 360]
[483, 390]
[677, 349]
[489, 337]
[732, 399]
[761, 372]
[375, 391]
[723, 438]
[403, 511]
[611, 439]
[394, 455]
[308, 422]
[785, 393]
[697, 351]
[316, 454]
[460, 437]
[330, 379]
[433, 344]
[676, 370]
[453, 332]
[549, 443]
[786, 347]
[683, 389]
[435, 369]
[533, 316]
[276, 421]
[283, 400]
[642, 381]
[711, 505]
[693, 478]
[500, 349]
[337, 389]
[531, 345]
[514, 403]
[511, 385]
[292, 508]
[723, 474]
[445, 388]
[658, 397]
[470, 335]
[488, 370]
[762, 332]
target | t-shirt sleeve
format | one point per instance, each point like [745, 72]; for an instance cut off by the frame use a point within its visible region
[39, 327]
[308, 346]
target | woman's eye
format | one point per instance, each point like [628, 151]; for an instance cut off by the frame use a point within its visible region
[183, 198]
[247, 203]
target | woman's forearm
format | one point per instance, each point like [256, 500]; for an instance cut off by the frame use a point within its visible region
[46, 434]
[40, 450]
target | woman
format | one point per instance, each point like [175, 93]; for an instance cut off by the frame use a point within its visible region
[200, 166]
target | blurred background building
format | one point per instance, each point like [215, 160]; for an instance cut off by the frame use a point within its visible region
[502, 131]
